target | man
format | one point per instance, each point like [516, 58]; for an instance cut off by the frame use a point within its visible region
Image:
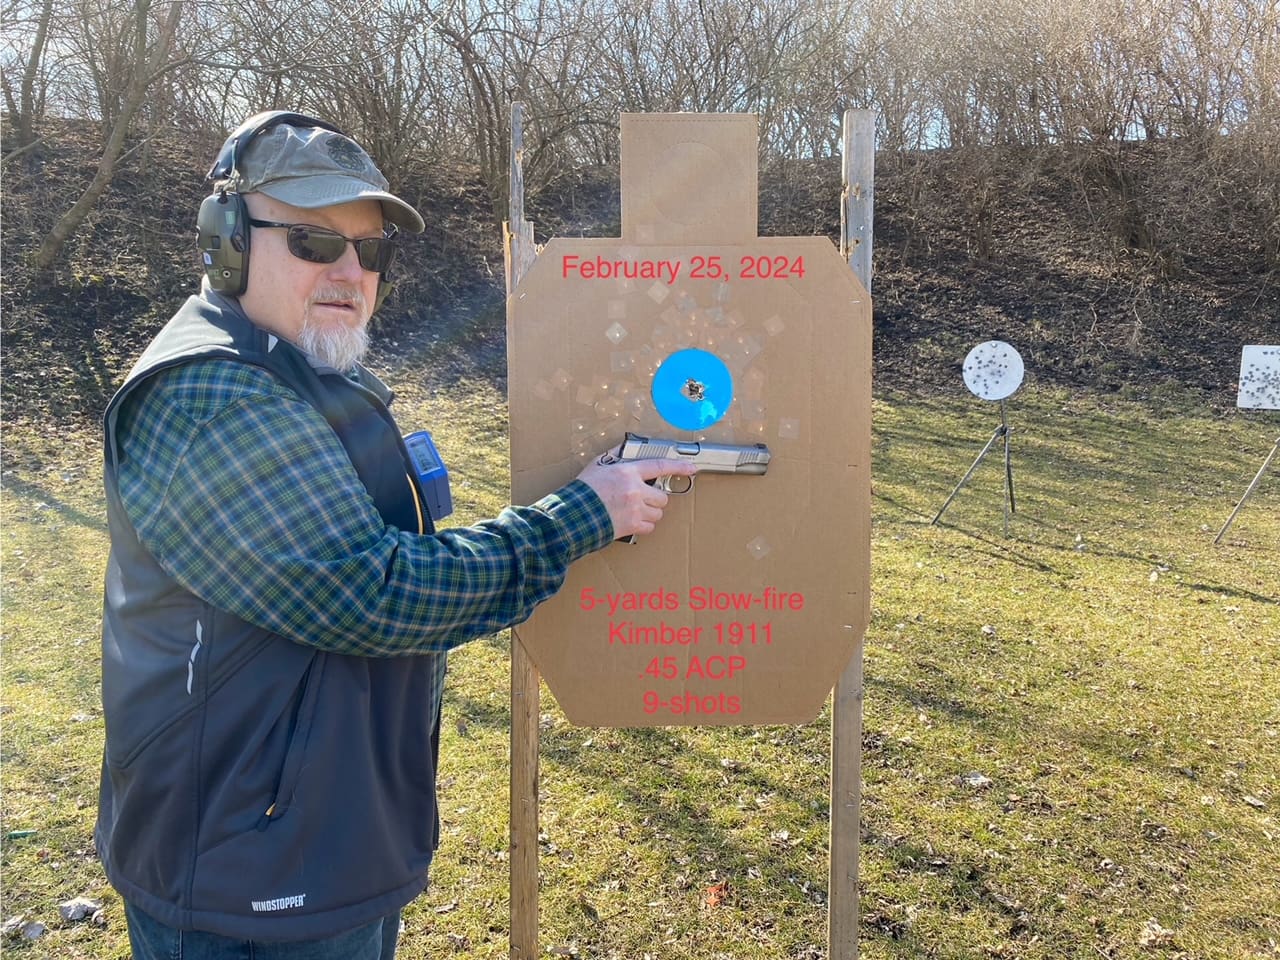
[278, 606]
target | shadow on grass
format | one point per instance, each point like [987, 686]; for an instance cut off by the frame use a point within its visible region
[42, 498]
[944, 694]
[1219, 589]
[1003, 549]
[900, 505]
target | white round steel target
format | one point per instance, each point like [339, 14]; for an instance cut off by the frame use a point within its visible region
[993, 370]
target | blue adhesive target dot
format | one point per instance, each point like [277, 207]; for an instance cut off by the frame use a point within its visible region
[692, 389]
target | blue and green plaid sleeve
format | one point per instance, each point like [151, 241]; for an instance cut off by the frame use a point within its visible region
[243, 494]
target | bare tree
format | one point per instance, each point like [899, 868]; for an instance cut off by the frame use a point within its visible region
[425, 83]
[147, 61]
[24, 108]
[482, 43]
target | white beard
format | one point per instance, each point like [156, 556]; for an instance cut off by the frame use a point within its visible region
[340, 347]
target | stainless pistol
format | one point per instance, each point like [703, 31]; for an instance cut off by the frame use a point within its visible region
[750, 459]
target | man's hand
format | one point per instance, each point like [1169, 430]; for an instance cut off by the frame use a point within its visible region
[634, 505]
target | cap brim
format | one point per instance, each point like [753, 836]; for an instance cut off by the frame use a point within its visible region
[310, 193]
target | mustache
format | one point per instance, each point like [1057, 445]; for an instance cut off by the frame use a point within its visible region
[338, 292]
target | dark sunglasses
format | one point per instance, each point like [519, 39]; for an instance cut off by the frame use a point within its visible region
[318, 245]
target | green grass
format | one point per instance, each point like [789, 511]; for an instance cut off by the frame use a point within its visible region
[1114, 674]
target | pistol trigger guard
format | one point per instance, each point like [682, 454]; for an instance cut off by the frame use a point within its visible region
[667, 485]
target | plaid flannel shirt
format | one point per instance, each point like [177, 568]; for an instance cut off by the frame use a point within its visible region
[245, 496]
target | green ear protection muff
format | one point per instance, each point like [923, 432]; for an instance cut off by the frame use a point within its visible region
[222, 225]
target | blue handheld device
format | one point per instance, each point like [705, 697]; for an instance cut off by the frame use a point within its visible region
[433, 477]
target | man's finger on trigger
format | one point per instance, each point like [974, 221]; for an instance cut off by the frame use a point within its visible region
[654, 468]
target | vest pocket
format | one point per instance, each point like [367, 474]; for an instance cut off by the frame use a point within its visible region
[299, 736]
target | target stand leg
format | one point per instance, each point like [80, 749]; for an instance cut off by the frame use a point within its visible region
[1001, 431]
[1009, 505]
[1249, 492]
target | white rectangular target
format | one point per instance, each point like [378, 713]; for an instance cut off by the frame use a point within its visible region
[1259, 378]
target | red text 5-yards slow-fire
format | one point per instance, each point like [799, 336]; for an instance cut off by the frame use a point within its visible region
[698, 599]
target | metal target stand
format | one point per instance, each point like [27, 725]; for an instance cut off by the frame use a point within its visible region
[1249, 492]
[1010, 505]
[992, 371]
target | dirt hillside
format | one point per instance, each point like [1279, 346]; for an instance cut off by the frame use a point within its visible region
[1112, 283]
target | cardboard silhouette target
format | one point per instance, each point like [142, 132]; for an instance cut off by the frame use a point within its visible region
[748, 600]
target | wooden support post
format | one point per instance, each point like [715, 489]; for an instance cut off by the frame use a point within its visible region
[524, 804]
[857, 198]
[519, 249]
[857, 168]
[519, 253]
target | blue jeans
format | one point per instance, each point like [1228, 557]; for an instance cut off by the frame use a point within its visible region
[153, 940]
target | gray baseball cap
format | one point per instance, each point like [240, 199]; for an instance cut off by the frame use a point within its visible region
[310, 167]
